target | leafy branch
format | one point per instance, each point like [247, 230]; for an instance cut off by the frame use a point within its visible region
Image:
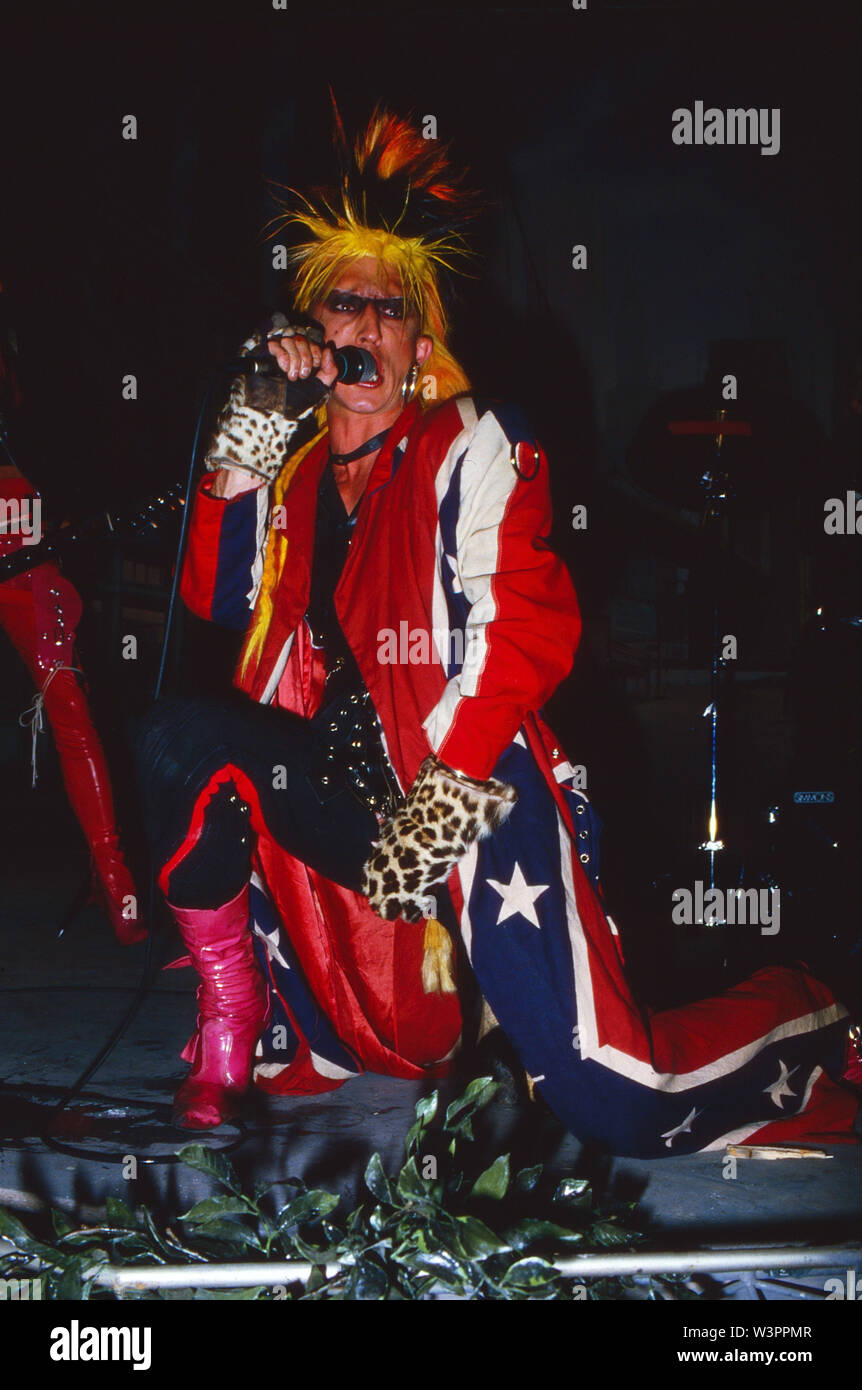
[436, 1229]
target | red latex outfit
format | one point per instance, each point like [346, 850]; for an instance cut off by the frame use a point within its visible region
[39, 611]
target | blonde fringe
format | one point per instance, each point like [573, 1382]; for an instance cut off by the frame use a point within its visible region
[445, 377]
[275, 556]
[438, 971]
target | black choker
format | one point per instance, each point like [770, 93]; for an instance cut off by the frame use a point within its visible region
[367, 448]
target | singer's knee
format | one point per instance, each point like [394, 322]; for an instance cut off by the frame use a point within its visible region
[176, 741]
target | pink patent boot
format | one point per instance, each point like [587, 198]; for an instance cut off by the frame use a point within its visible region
[232, 1012]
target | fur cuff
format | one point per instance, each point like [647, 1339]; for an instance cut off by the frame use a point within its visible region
[443, 815]
[253, 431]
[255, 441]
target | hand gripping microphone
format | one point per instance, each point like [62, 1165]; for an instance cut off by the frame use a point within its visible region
[354, 364]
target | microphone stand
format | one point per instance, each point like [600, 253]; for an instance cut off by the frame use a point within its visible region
[717, 490]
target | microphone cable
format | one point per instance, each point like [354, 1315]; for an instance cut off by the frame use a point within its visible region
[152, 966]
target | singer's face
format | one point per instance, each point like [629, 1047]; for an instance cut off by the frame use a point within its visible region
[364, 308]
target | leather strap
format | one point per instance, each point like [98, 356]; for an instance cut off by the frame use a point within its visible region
[367, 448]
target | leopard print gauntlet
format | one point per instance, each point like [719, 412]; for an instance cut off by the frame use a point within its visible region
[444, 813]
[261, 424]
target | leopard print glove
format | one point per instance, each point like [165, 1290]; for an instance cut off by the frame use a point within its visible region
[442, 816]
[259, 425]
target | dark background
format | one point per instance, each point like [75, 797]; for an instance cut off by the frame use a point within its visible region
[145, 257]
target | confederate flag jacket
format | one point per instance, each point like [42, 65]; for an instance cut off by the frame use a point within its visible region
[463, 622]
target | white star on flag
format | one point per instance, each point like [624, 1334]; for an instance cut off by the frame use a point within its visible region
[518, 897]
[780, 1087]
[271, 944]
[685, 1128]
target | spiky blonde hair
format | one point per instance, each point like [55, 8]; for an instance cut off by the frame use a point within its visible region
[399, 202]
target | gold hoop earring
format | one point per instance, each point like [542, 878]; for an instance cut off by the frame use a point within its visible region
[408, 389]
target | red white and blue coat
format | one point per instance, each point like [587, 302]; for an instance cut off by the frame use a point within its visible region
[463, 622]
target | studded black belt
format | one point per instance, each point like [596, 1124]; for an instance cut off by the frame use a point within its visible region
[348, 752]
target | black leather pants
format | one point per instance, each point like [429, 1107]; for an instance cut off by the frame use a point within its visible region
[305, 790]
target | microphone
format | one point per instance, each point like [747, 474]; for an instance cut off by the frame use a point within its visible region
[354, 365]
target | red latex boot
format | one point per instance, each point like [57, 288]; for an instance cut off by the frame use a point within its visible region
[33, 608]
[88, 786]
[115, 890]
[232, 1012]
[853, 1070]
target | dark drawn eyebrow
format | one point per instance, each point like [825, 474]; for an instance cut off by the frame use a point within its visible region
[393, 302]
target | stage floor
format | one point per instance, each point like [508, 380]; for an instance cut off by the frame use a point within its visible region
[62, 998]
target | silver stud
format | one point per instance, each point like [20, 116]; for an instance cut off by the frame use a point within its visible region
[585, 859]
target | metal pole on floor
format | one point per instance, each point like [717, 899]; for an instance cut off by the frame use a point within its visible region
[268, 1273]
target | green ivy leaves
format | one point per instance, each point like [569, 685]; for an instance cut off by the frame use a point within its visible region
[444, 1225]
